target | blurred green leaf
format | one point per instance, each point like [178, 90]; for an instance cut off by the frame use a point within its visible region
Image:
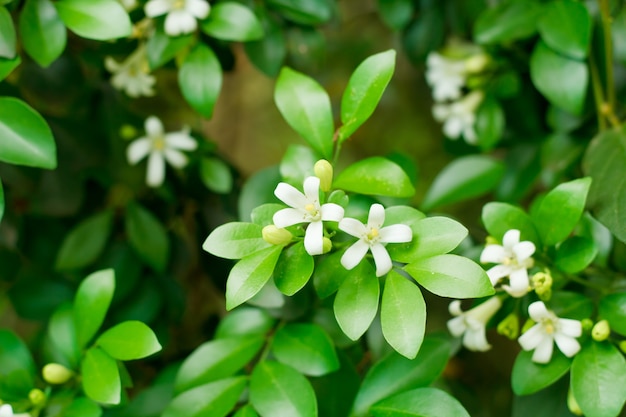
[246, 411]
[101, 377]
[161, 48]
[306, 12]
[268, 53]
[216, 175]
[297, 164]
[375, 176]
[244, 321]
[529, 377]
[43, 33]
[306, 348]
[215, 399]
[396, 13]
[490, 123]
[329, 274]
[16, 363]
[575, 254]
[571, 304]
[200, 79]
[565, 26]
[258, 190]
[82, 407]
[230, 21]
[129, 340]
[1, 201]
[499, 218]
[235, 240]
[425, 34]
[508, 21]
[61, 338]
[147, 236]
[294, 268]
[7, 34]
[421, 402]
[8, 65]
[85, 242]
[95, 19]
[612, 308]
[91, 304]
[356, 302]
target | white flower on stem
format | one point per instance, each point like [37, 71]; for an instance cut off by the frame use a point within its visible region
[513, 258]
[6, 410]
[306, 208]
[459, 117]
[548, 330]
[372, 237]
[471, 323]
[446, 76]
[181, 14]
[133, 75]
[159, 147]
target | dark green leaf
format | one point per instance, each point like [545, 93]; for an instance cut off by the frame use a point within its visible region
[85, 242]
[147, 236]
[425, 34]
[565, 26]
[508, 21]
[230, 21]
[91, 304]
[129, 340]
[489, 123]
[421, 402]
[1, 201]
[307, 12]
[570, 304]
[329, 274]
[529, 377]
[396, 13]
[43, 32]
[8, 65]
[101, 377]
[16, 362]
[7, 34]
[356, 303]
[575, 254]
[82, 407]
[268, 53]
[258, 190]
[61, 338]
[95, 19]
[235, 240]
[215, 399]
[499, 218]
[375, 176]
[161, 48]
[613, 308]
[306, 348]
[294, 268]
[200, 79]
[216, 176]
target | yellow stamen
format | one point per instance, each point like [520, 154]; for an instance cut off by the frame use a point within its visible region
[158, 144]
[549, 327]
[309, 207]
[179, 4]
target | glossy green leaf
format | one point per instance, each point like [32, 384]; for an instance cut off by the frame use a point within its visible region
[61, 338]
[364, 90]
[306, 348]
[506, 22]
[235, 240]
[565, 26]
[529, 377]
[548, 402]
[27, 137]
[575, 254]
[563, 81]
[147, 236]
[356, 303]
[249, 275]
[306, 107]
[8, 65]
[294, 268]
[560, 210]
[215, 399]
[230, 21]
[129, 340]
[297, 164]
[101, 377]
[307, 12]
[95, 19]
[613, 308]
[403, 315]
[246, 411]
[598, 379]
[200, 79]
[7, 34]
[217, 359]
[278, 390]
[329, 274]
[425, 34]
[375, 176]
[82, 407]
[268, 53]
[161, 48]
[216, 175]
[258, 190]
[16, 362]
[85, 242]
[396, 13]
[91, 304]
[451, 276]
[499, 218]
[263, 215]
[571, 304]
[244, 321]
[464, 178]
[490, 123]
[43, 33]
[421, 402]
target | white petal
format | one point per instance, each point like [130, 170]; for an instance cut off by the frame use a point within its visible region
[376, 217]
[568, 345]
[198, 8]
[441, 112]
[510, 238]
[179, 22]
[288, 217]
[543, 352]
[476, 340]
[314, 238]
[332, 212]
[352, 227]
[470, 134]
[156, 169]
[175, 158]
[381, 259]
[533, 337]
[518, 282]
[453, 127]
[455, 308]
[492, 254]
[498, 272]
[524, 250]
[447, 91]
[312, 189]
[138, 150]
[111, 65]
[289, 195]
[180, 140]
[157, 7]
[354, 254]
[6, 410]
[153, 126]
[569, 327]
[538, 311]
[457, 326]
[396, 233]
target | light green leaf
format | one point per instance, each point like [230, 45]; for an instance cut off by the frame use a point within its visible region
[294, 268]
[129, 340]
[8, 65]
[235, 240]
[572, 305]
[246, 411]
[306, 12]
[529, 377]
[27, 139]
[161, 48]
[375, 176]
[91, 304]
[216, 175]
[421, 402]
[329, 274]
[85, 242]
[508, 21]
[565, 26]
[43, 32]
[95, 19]
[364, 90]
[61, 338]
[244, 321]
[215, 399]
[490, 123]
[263, 215]
[297, 164]
[575, 254]
[356, 303]
[101, 377]
[306, 107]
[147, 236]
[613, 308]
[396, 13]
[499, 218]
[306, 348]
[16, 362]
[7, 34]
[82, 407]
[230, 21]
[200, 79]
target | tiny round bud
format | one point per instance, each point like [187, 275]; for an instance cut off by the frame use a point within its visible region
[601, 331]
[36, 396]
[276, 235]
[477, 63]
[586, 324]
[128, 132]
[324, 171]
[490, 240]
[622, 346]
[54, 373]
[509, 327]
[327, 245]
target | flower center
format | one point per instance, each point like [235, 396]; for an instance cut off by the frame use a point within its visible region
[549, 325]
[312, 212]
[372, 236]
[158, 143]
[178, 4]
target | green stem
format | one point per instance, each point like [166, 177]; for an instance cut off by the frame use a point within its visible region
[608, 52]
[598, 94]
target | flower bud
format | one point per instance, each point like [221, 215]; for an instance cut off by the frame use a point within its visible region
[477, 62]
[572, 404]
[327, 245]
[586, 324]
[490, 240]
[509, 327]
[54, 373]
[276, 235]
[37, 397]
[542, 283]
[622, 346]
[128, 132]
[324, 171]
[601, 331]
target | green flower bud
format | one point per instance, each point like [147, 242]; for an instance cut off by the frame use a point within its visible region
[324, 171]
[601, 331]
[327, 245]
[477, 62]
[542, 282]
[622, 346]
[572, 404]
[128, 132]
[509, 327]
[276, 235]
[586, 324]
[490, 240]
[54, 373]
[37, 397]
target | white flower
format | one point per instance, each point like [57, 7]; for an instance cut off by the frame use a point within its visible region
[128, 4]
[471, 324]
[514, 259]
[133, 75]
[371, 237]
[6, 410]
[181, 14]
[446, 76]
[459, 117]
[549, 329]
[160, 147]
[306, 208]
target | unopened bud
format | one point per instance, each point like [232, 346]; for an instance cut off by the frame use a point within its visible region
[276, 235]
[477, 63]
[601, 331]
[128, 132]
[622, 346]
[54, 373]
[542, 283]
[586, 324]
[572, 404]
[338, 197]
[509, 327]
[327, 245]
[36, 397]
[324, 171]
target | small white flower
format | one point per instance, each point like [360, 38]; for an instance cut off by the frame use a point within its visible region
[513, 258]
[133, 75]
[306, 208]
[128, 4]
[459, 117]
[160, 147]
[446, 76]
[550, 329]
[372, 237]
[6, 410]
[471, 324]
[181, 14]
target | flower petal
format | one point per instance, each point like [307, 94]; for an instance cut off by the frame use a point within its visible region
[568, 345]
[381, 259]
[180, 140]
[314, 238]
[153, 126]
[475, 339]
[543, 352]
[354, 254]
[455, 308]
[524, 250]
[157, 7]
[175, 158]
[396, 233]
[453, 127]
[441, 112]
[498, 272]
[138, 150]
[288, 217]
[312, 189]
[290, 195]
[533, 337]
[510, 238]
[156, 170]
[111, 64]
[198, 8]
[376, 217]
[179, 22]
[352, 227]
[518, 282]
[492, 254]
[538, 311]
[457, 326]
[332, 212]
[569, 327]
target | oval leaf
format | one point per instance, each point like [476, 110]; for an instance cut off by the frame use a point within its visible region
[129, 340]
[85, 242]
[575, 254]
[375, 176]
[565, 26]
[235, 240]
[215, 399]
[231, 21]
[147, 236]
[356, 303]
[499, 218]
[306, 12]
[306, 348]
[95, 19]
[101, 377]
[161, 48]
[91, 304]
[43, 32]
[613, 308]
[529, 377]
[506, 22]
[200, 79]
[216, 176]
[7, 34]
[421, 402]
[294, 268]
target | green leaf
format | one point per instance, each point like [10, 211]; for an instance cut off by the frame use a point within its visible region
[375, 176]
[421, 402]
[147, 236]
[508, 21]
[85, 242]
[529, 377]
[161, 48]
[297, 164]
[565, 26]
[396, 13]
[306, 107]
[230, 21]
[306, 12]
[278, 390]
[263, 215]
[8, 65]
[249, 275]
[1, 201]
[27, 139]
[200, 79]
[235, 240]
[16, 362]
[216, 175]
[246, 411]
[61, 337]
[91, 303]
[101, 377]
[215, 399]
[95, 19]
[258, 190]
[560, 210]
[306, 348]
[464, 178]
[129, 340]
[244, 321]
[403, 315]
[356, 303]
[43, 33]
[215, 360]
[395, 374]
[575, 254]
[613, 308]
[7, 34]
[329, 274]
[499, 218]
[268, 53]
[451, 276]
[425, 34]
[572, 305]
[563, 81]
[490, 123]
[294, 268]
[364, 90]
[82, 407]
[598, 379]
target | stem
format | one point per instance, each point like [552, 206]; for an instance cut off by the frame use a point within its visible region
[598, 94]
[608, 52]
